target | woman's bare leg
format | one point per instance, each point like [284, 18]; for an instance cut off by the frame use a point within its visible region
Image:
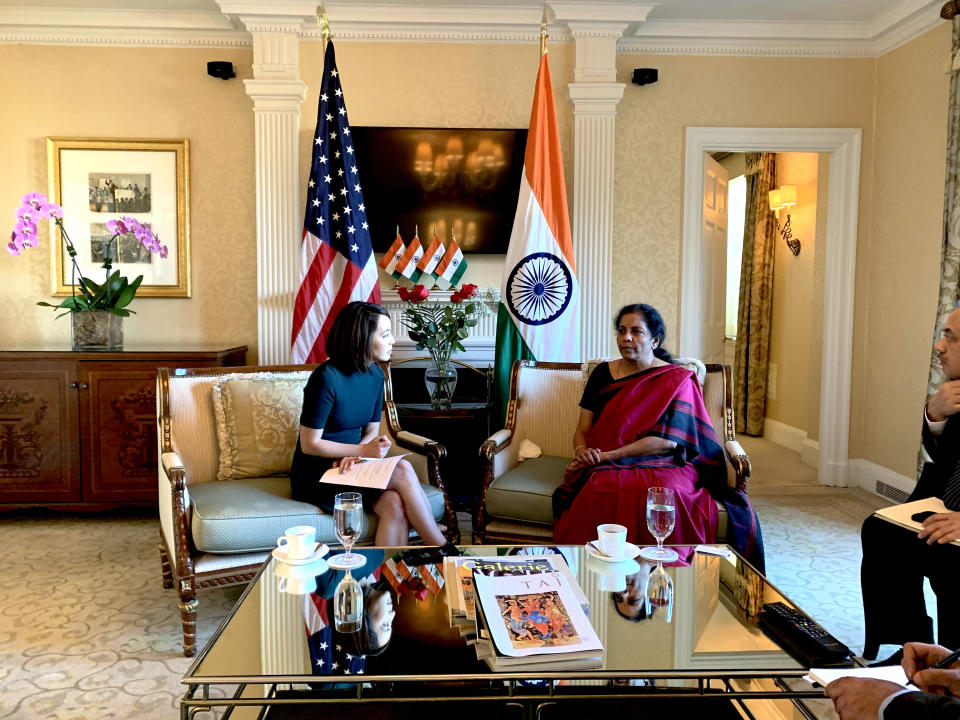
[392, 527]
[404, 481]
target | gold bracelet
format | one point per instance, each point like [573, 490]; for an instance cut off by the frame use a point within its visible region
[577, 447]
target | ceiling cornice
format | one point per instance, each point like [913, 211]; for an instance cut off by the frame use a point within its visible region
[506, 23]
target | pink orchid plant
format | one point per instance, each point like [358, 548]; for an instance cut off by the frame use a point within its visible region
[116, 292]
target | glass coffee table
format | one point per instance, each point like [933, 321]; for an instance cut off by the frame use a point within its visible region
[276, 654]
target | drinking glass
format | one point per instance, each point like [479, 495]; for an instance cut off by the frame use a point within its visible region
[348, 605]
[660, 592]
[348, 519]
[661, 517]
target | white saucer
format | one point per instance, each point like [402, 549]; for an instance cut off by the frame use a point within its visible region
[630, 551]
[319, 551]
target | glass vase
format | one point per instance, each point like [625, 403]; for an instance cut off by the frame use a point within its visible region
[441, 381]
[96, 330]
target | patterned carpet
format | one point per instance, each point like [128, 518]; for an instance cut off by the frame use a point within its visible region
[88, 631]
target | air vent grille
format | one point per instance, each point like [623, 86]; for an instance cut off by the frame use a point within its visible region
[889, 491]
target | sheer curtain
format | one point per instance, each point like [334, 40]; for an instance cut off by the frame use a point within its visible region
[756, 296]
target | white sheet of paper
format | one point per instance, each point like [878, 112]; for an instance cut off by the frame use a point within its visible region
[368, 473]
[891, 673]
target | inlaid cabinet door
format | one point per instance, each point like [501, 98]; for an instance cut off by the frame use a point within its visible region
[119, 431]
[39, 447]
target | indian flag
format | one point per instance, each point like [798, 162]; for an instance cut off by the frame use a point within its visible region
[432, 256]
[407, 266]
[453, 266]
[539, 315]
[388, 263]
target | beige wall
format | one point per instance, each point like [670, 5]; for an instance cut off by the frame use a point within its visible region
[147, 93]
[794, 293]
[898, 100]
[900, 255]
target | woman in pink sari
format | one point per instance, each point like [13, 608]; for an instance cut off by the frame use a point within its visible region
[642, 424]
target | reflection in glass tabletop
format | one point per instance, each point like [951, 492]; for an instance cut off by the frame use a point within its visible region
[705, 629]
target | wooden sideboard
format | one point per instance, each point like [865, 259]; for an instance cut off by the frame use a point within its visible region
[80, 428]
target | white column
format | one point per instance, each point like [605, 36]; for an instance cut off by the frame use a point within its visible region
[277, 93]
[595, 97]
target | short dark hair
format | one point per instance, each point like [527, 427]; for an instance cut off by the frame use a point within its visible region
[654, 323]
[348, 344]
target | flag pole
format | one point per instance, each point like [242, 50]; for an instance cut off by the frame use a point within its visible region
[543, 33]
[436, 285]
[396, 280]
[324, 26]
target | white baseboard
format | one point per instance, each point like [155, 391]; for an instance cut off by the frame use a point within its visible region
[810, 452]
[864, 473]
[783, 434]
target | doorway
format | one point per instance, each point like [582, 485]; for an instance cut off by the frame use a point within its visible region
[843, 147]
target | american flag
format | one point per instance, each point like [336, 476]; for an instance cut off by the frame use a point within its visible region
[336, 258]
[328, 653]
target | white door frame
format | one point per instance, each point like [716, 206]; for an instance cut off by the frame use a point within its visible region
[843, 144]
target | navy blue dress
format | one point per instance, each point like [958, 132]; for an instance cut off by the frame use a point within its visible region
[341, 404]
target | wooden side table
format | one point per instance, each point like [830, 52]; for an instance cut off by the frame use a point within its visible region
[78, 430]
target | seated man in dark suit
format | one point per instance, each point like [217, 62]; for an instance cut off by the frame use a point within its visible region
[896, 560]
[866, 699]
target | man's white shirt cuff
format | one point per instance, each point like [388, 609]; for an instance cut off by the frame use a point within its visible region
[889, 699]
[934, 426]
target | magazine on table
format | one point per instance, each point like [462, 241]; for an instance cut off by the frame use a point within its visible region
[459, 573]
[902, 515]
[534, 620]
[366, 473]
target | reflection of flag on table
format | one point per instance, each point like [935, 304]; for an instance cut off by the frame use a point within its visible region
[539, 315]
[336, 259]
[453, 266]
[392, 256]
[327, 656]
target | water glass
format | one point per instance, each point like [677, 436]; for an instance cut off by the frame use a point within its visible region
[348, 518]
[661, 518]
[348, 605]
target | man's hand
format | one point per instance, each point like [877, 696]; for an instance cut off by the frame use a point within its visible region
[918, 662]
[376, 448]
[941, 528]
[945, 402]
[859, 698]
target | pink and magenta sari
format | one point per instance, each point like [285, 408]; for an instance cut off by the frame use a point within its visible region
[663, 402]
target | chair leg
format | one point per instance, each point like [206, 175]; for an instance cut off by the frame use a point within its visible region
[165, 567]
[188, 616]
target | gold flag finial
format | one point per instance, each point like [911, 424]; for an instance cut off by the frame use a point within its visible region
[543, 33]
[324, 24]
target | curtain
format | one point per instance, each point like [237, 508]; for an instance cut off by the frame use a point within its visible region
[950, 254]
[756, 296]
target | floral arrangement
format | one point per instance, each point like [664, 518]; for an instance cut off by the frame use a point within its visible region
[441, 328]
[116, 292]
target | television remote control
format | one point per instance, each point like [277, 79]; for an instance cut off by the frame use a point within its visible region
[804, 637]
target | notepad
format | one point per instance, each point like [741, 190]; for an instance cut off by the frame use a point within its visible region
[890, 673]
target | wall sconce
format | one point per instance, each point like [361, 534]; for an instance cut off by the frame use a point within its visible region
[782, 198]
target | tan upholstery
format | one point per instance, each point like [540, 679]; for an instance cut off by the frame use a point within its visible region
[515, 500]
[237, 515]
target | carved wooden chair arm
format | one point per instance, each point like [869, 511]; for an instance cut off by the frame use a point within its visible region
[740, 461]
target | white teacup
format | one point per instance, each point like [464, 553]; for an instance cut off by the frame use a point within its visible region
[299, 542]
[613, 582]
[297, 585]
[612, 539]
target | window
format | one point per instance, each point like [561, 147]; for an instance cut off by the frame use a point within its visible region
[736, 210]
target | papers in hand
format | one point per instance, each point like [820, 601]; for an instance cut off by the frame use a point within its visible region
[890, 673]
[902, 514]
[367, 473]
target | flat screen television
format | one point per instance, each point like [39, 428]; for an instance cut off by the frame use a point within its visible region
[452, 179]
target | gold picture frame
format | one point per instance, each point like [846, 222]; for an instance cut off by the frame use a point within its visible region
[99, 179]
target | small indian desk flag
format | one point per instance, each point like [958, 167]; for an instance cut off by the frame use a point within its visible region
[539, 316]
[453, 266]
[407, 266]
[432, 256]
[388, 263]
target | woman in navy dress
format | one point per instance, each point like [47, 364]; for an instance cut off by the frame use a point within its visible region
[339, 425]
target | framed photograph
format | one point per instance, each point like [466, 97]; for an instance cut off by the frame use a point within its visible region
[96, 180]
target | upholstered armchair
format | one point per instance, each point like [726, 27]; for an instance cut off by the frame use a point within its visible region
[516, 498]
[226, 440]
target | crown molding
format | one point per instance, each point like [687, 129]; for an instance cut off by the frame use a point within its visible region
[466, 22]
